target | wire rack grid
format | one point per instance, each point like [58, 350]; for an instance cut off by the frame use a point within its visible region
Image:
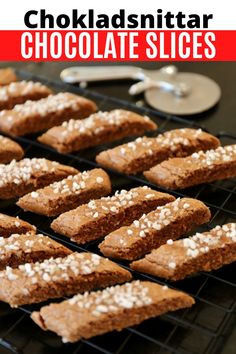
[205, 328]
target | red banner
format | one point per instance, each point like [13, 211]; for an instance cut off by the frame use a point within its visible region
[118, 45]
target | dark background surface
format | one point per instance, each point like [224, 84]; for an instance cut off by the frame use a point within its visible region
[220, 118]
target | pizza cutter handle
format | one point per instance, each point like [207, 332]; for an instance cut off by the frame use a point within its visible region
[101, 73]
[179, 89]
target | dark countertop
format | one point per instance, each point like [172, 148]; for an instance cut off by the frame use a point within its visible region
[220, 118]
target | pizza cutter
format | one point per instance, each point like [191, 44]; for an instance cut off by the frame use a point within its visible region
[166, 89]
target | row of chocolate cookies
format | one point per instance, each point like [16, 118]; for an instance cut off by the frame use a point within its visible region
[202, 251]
[164, 155]
[43, 269]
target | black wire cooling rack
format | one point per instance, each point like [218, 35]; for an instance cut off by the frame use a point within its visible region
[205, 328]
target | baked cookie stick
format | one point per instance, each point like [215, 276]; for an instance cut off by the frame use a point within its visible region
[201, 252]
[200, 167]
[115, 308]
[35, 116]
[21, 91]
[143, 153]
[21, 249]
[99, 217]
[154, 229]
[10, 225]
[7, 76]
[99, 128]
[54, 278]
[9, 150]
[67, 194]
[19, 178]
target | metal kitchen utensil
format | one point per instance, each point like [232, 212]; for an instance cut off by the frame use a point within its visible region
[76, 74]
[165, 89]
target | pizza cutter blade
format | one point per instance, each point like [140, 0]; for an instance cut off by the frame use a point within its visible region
[203, 94]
